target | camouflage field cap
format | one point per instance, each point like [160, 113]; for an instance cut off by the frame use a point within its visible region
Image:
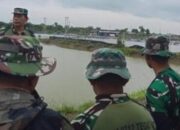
[106, 60]
[22, 55]
[20, 11]
[157, 46]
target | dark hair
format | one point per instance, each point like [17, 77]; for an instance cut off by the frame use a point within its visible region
[6, 76]
[159, 59]
[26, 16]
[21, 82]
[110, 79]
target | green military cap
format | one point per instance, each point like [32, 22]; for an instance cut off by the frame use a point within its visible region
[20, 11]
[157, 46]
[106, 60]
[23, 56]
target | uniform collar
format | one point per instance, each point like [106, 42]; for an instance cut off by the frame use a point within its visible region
[162, 71]
[17, 33]
[113, 97]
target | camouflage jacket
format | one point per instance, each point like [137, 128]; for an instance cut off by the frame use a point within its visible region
[159, 99]
[12, 31]
[114, 112]
[22, 111]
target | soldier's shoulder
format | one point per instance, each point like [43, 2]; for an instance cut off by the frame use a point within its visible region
[157, 82]
[52, 119]
[157, 89]
[30, 32]
[2, 30]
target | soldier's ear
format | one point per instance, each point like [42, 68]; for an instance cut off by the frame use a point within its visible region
[91, 82]
[148, 57]
[33, 81]
[27, 18]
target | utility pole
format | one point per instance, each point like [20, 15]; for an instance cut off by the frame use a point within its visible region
[67, 25]
[44, 22]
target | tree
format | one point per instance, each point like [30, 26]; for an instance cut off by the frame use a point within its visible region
[98, 28]
[142, 30]
[56, 24]
[2, 24]
[58, 28]
[147, 31]
[124, 31]
[135, 31]
[89, 29]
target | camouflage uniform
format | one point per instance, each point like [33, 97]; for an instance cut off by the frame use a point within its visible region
[113, 111]
[10, 30]
[20, 110]
[159, 91]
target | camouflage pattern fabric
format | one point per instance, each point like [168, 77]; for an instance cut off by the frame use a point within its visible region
[19, 110]
[2, 31]
[114, 112]
[11, 31]
[158, 93]
[157, 46]
[22, 55]
[106, 60]
[20, 11]
[16, 109]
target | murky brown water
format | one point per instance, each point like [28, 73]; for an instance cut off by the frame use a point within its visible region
[68, 85]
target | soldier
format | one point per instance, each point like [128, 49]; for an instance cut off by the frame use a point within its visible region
[18, 27]
[21, 108]
[114, 110]
[163, 94]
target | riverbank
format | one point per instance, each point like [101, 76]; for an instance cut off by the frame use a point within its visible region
[92, 45]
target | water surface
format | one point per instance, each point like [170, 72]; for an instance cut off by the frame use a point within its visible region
[68, 85]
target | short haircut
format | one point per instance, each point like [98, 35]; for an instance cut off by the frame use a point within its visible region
[13, 78]
[110, 79]
[26, 16]
[159, 59]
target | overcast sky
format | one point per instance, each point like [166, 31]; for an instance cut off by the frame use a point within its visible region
[160, 16]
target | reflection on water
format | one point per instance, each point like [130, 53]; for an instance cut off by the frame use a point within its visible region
[67, 84]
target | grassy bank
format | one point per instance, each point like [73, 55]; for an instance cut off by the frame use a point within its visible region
[70, 111]
[78, 44]
[92, 45]
[89, 45]
[175, 59]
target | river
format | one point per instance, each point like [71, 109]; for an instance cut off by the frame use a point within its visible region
[68, 85]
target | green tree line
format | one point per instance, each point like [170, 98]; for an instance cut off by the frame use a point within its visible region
[59, 29]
